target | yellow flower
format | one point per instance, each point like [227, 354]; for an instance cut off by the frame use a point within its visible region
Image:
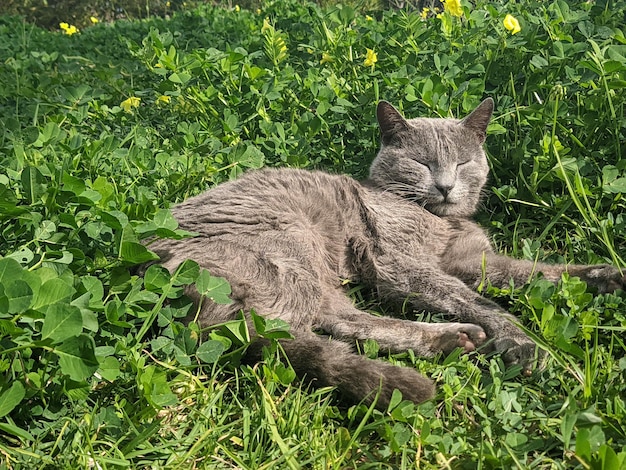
[453, 7]
[68, 29]
[130, 103]
[266, 26]
[164, 99]
[258, 11]
[511, 23]
[168, 4]
[424, 13]
[368, 18]
[237, 8]
[94, 20]
[326, 57]
[370, 58]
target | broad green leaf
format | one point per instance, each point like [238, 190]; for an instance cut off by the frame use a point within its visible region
[164, 219]
[10, 270]
[109, 368]
[612, 66]
[155, 387]
[215, 288]
[89, 196]
[588, 417]
[35, 379]
[77, 95]
[609, 458]
[115, 219]
[179, 77]
[136, 253]
[162, 343]
[104, 188]
[131, 251]
[62, 321]
[258, 321]
[177, 234]
[270, 328]
[251, 157]
[156, 277]
[210, 351]
[236, 330]
[53, 291]
[4, 302]
[94, 287]
[396, 399]
[60, 257]
[32, 182]
[613, 84]
[114, 310]
[218, 335]
[77, 358]
[516, 439]
[24, 255]
[46, 229]
[10, 398]
[276, 324]
[19, 294]
[73, 184]
[185, 346]
[182, 356]
[186, 273]
[589, 440]
[284, 373]
[616, 186]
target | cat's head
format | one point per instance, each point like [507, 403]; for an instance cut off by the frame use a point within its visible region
[437, 163]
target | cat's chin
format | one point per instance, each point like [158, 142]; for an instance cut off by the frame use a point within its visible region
[447, 209]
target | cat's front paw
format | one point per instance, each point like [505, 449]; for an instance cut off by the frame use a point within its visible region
[449, 336]
[603, 277]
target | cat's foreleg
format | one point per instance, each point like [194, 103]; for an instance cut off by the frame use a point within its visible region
[500, 271]
[470, 257]
[428, 288]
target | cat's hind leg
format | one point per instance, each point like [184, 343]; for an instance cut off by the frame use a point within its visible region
[345, 322]
[324, 362]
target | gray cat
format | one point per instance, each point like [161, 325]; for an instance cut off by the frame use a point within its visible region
[286, 238]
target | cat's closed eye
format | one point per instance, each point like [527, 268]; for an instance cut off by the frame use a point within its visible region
[423, 164]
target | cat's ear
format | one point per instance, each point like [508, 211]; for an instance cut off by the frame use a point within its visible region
[478, 120]
[390, 121]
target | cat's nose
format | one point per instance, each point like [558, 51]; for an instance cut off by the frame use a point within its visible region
[444, 189]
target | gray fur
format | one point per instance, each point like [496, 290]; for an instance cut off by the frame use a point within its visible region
[286, 238]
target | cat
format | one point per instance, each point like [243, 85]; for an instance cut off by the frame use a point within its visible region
[286, 238]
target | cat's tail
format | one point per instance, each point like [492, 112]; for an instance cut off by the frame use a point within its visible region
[327, 362]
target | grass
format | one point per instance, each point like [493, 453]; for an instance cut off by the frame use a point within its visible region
[104, 129]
